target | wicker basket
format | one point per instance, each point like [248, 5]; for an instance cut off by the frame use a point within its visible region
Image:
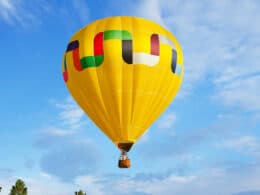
[126, 163]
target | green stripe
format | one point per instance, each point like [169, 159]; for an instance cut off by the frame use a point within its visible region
[88, 61]
[91, 61]
[117, 34]
[126, 35]
[99, 60]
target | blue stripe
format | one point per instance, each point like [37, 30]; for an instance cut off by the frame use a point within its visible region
[174, 60]
[72, 45]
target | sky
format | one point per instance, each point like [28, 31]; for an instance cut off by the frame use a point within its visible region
[206, 142]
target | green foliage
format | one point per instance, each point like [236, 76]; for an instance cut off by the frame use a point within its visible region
[19, 188]
[80, 193]
[0, 189]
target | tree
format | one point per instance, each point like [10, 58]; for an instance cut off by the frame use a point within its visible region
[19, 188]
[0, 189]
[80, 193]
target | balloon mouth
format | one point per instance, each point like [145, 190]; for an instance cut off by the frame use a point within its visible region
[125, 146]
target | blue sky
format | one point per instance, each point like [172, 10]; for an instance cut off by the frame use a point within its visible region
[206, 142]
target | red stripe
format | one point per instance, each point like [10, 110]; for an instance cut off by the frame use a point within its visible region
[98, 44]
[155, 50]
[65, 76]
[76, 59]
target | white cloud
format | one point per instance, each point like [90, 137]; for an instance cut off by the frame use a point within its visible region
[150, 9]
[242, 92]
[167, 121]
[131, 185]
[70, 119]
[45, 175]
[247, 144]
[53, 131]
[71, 115]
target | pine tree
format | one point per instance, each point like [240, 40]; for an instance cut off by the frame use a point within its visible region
[80, 193]
[19, 188]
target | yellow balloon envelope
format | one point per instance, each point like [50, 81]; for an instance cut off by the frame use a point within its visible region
[123, 72]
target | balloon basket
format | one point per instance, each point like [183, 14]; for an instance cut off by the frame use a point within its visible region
[124, 161]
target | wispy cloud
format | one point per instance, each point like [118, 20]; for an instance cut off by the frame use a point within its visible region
[167, 120]
[242, 92]
[7, 11]
[20, 13]
[70, 115]
[127, 185]
[30, 14]
[246, 144]
[82, 10]
[150, 9]
[56, 132]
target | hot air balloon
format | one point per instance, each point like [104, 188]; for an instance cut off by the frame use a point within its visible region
[123, 72]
